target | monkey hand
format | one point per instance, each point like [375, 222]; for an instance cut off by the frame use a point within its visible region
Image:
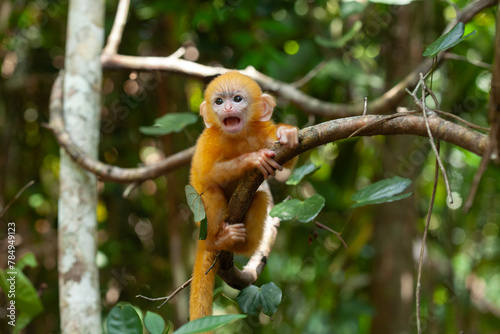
[230, 235]
[264, 161]
[288, 136]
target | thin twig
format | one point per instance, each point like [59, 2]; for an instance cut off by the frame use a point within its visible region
[332, 231]
[389, 117]
[129, 189]
[169, 297]
[365, 107]
[431, 140]
[422, 247]
[478, 63]
[19, 193]
[213, 263]
[431, 93]
[301, 82]
[179, 53]
[417, 87]
[461, 120]
[447, 114]
[116, 33]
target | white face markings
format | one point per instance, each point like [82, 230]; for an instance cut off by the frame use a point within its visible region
[231, 107]
[228, 96]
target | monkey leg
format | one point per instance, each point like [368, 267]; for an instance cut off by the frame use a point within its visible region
[255, 220]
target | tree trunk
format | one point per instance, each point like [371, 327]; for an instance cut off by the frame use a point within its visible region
[79, 297]
[393, 276]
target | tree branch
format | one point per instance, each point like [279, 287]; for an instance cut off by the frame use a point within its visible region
[307, 103]
[348, 125]
[239, 279]
[116, 33]
[332, 131]
[104, 171]
[310, 137]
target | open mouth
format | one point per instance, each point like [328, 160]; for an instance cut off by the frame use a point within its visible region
[232, 124]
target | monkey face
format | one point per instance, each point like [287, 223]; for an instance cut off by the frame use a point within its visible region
[233, 102]
[231, 110]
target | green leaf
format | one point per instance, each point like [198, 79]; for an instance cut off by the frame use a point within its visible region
[309, 209]
[28, 304]
[123, 320]
[300, 172]
[209, 323]
[271, 298]
[253, 299]
[27, 299]
[286, 210]
[154, 323]
[383, 191]
[448, 40]
[383, 200]
[304, 211]
[172, 122]
[195, 203]
[27, 259]
[203, 229]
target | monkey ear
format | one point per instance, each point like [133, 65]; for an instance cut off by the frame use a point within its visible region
[268, 104]
[203, 112]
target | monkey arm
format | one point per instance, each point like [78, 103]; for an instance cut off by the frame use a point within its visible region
[226, 171]
[288, 135]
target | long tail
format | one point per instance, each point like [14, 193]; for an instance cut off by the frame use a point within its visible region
[202, 286]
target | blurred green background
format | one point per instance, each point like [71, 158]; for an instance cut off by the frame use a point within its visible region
[146, 241]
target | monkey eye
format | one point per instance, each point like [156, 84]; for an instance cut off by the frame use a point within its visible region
[219, 101]
[238, 98]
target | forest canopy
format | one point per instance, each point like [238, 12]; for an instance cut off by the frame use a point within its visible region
[369, 241]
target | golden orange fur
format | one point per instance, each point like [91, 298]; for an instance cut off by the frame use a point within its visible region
[220, 160]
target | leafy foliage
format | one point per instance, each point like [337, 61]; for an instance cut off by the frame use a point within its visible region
[123, 320]
[304, 211]
[383, 191]
[448, 40]
[300, 172]
[27, 302]
[253, 299]
[154, 323]
[209, 323]
[173, 122]
[138, 235]
[196, 205]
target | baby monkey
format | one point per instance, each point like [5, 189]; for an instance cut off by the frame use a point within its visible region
[238, 134]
